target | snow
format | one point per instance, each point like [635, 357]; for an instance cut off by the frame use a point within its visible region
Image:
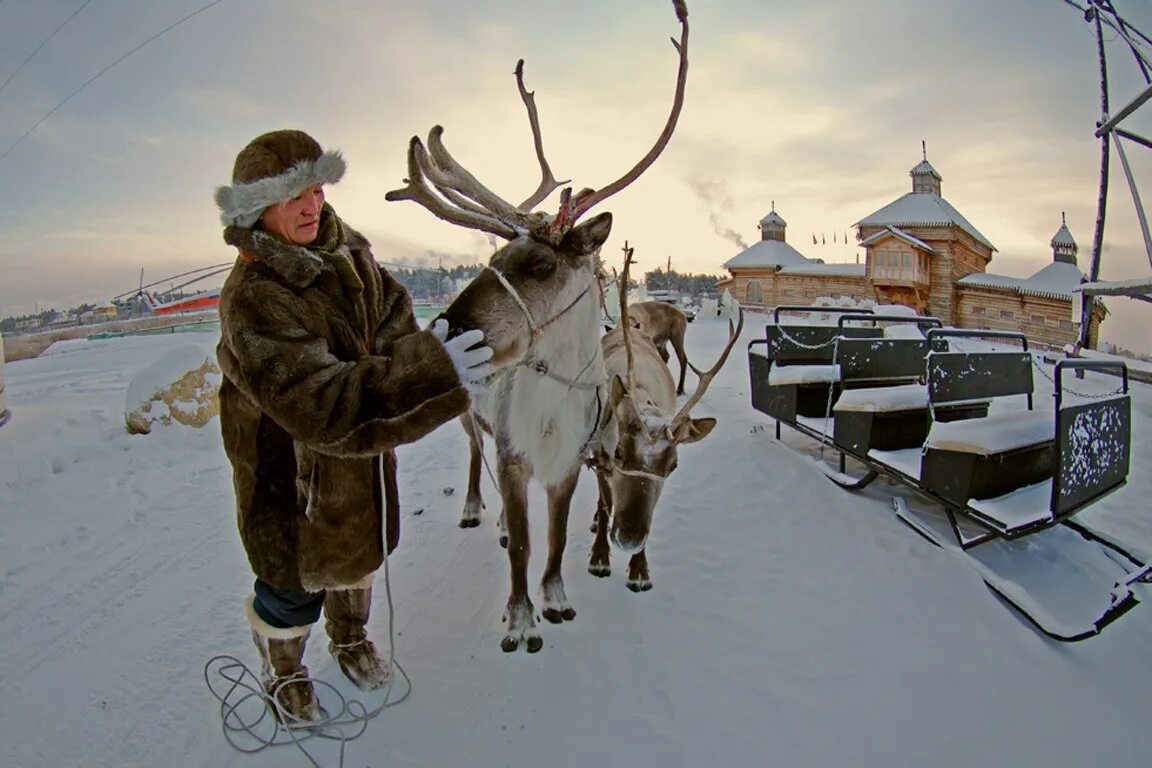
[1020, 508]
[991, 435]
[790, 623]
[779, 375]
[921, 209]
[835, 268]
[883, 399]
[767, 253]
[899, 234]
[1058, 280]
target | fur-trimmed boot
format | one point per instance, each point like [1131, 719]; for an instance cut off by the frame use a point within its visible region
[283, 674]
[346, 617]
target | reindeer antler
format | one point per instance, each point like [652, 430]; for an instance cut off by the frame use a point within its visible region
[444, 187]
[630, 384]
[707, 376]
[587, 198]
[548, 183]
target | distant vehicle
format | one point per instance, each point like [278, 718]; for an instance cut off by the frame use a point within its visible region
[197, 302]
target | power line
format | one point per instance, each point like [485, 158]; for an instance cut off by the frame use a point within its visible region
[42, 44]
[92, 79]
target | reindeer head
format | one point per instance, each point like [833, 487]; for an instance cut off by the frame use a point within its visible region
[528, 286]
[642, 449]
[548, 265]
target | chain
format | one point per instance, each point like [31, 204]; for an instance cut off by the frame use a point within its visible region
[801, 344]
[1118, 391]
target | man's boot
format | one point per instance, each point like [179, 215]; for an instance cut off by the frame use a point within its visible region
[283, 674]
[346, 617]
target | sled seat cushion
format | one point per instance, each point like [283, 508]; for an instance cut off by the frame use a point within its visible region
[781, 375]
[992, 435]
[905, 397]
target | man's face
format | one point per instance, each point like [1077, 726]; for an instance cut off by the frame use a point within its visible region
[298, 220]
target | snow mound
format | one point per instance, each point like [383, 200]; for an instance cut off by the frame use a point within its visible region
[179, 387]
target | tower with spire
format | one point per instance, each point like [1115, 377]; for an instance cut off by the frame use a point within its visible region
[772, 226]
[1064, 248]
[925, 180]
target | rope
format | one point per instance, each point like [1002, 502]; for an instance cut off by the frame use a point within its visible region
[239, 720]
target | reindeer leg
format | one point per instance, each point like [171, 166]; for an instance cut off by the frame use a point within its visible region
[554, 601]
[473, 504]
[600, 562]
[519, 616]
[683, 358]
[638, 580]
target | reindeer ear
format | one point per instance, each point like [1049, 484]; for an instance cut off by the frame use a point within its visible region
[619, 389]
[622, 405]
[694, 430]
[587, 238]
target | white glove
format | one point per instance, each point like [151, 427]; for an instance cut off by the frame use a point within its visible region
[471, 365]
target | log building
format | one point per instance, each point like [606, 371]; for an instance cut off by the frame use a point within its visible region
[922, 253]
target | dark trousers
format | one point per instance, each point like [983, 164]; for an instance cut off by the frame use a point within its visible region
[285, 608]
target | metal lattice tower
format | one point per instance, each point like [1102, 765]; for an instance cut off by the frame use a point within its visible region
[1103, 13]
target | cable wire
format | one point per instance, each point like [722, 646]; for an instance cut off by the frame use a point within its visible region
[43, 43]
[92, 79]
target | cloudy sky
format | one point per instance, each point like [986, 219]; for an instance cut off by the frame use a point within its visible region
[818, 105]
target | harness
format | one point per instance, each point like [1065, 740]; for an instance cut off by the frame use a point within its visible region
[542, 368]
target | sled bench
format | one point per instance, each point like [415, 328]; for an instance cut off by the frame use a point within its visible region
[883, 403]
[1017, 472]
[796, 374]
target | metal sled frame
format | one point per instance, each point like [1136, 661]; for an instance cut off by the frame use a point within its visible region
[1066, 499]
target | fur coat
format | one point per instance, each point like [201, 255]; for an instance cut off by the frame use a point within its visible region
[318, 388]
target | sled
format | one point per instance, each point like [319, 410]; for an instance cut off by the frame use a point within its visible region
[916, 411]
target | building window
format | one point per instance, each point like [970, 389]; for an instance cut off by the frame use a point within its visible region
[978, 311]
[753, 293]
[1065, 325]
[1007, 314]
[1037, 319]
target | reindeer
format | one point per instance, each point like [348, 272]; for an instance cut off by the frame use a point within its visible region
[664, 324]
[537, 303]
[638, 450]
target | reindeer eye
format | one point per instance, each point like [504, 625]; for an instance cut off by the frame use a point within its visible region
[672, 468]
[542, 267]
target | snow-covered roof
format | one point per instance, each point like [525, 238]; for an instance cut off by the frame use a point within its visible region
[843, 269]
[899, 234]
[773, 218]
[922, 209]
[1058, 280]
[767, 253]
[925, 167]
[1062, 237]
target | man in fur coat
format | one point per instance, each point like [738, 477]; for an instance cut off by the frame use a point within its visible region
[325, 371]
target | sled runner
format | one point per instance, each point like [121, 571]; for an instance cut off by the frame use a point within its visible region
[917, 410]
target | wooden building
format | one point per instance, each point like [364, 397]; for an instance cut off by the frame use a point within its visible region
[922, 253]
[1043, 306]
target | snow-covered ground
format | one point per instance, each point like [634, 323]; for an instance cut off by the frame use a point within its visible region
[790, 624]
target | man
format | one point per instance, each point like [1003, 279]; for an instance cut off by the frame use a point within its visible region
[325, 371]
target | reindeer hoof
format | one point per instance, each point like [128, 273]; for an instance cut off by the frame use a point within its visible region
[535, 644]
[639, 586]
[600, 570]
[504, 540]
[508, 644]
[469, 522]
[559, 616]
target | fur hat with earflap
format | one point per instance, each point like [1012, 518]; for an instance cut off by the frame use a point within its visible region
[272, 169]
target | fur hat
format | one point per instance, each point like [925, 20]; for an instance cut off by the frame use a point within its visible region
[272, 169]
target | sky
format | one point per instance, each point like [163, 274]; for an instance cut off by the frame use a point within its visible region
[819, 107]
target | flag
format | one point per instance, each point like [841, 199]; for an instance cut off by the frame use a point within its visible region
[822, 240]
[833, 237]
[813, 238]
